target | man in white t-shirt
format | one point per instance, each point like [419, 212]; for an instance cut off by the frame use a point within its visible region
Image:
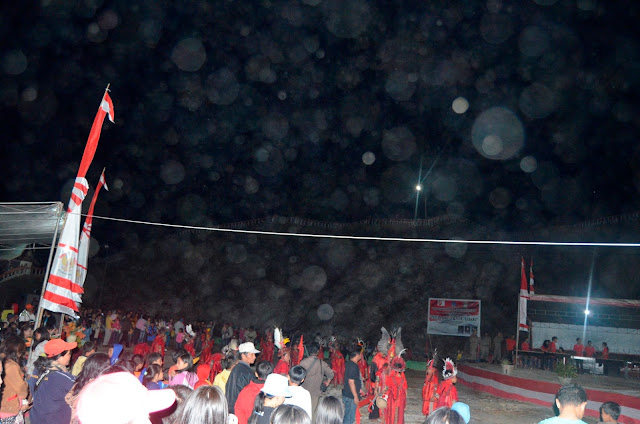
[299, 395]
[571, 401]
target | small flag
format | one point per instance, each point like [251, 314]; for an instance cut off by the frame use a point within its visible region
[531, 289]
[524, 295]
[300, 349]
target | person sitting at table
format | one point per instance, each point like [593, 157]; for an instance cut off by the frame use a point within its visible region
[552, 346]
[547, 357]
[526, 359]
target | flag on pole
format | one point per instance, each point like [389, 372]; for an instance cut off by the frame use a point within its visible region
[62, 287]
[85, 239]
[531, 289]
[524, 295]
[300, 349]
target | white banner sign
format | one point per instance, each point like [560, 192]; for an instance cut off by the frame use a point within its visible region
[453, 317]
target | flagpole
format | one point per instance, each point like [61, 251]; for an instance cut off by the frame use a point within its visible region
[46, 273]
[515, 360]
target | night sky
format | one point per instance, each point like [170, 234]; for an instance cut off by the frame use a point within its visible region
[519, 119]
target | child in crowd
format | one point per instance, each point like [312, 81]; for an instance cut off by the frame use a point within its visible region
[179, 338]
[183, 373]
[609, 412]
[152, 378]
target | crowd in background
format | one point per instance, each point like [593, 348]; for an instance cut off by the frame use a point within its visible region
[112, 367]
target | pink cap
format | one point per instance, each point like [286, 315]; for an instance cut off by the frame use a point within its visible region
[120, 398]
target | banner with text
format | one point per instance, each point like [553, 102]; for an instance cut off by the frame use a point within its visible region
[453, 317]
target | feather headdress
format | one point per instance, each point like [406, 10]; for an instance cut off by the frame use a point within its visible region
[278, 339]
[391, 344]
[449, 370]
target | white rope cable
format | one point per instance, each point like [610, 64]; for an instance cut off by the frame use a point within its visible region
[399, 239]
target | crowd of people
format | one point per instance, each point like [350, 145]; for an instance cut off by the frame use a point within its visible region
[110, 368]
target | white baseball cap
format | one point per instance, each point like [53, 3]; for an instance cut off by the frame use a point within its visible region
[276, 385]
[247, 347]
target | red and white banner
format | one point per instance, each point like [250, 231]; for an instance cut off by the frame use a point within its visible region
[524, 295]
[61, 287]
[63, 290]
[543, 393]
[453, 317]
[85, 238]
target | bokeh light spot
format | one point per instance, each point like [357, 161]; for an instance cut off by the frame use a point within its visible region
[460, 105]
[189, 54]
[497, 134]
[368, 158]
[325, 312]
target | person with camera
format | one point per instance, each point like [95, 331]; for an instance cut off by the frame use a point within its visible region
[319, 375]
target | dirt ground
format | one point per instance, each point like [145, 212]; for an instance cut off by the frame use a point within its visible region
[485, 408]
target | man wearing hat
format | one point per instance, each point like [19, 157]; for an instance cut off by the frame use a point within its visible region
[240, 374]
[27, 315]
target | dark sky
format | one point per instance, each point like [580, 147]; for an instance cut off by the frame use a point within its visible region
[515, 115]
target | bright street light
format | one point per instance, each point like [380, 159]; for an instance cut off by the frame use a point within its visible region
[418, 187]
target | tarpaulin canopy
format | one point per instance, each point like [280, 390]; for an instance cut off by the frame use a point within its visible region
[23, 224]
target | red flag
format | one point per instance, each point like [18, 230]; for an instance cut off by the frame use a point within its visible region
[524, 295]
[106, 106]
[62, 288]
[300, 349]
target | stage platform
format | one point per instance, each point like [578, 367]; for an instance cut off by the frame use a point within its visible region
[540, 387]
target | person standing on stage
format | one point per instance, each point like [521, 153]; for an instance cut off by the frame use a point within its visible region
[497, 347]
[474, 341]
[589, 350]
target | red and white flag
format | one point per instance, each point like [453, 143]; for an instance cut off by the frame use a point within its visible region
[531, 289]
[524, 295]
[85, 239]
[62, 287]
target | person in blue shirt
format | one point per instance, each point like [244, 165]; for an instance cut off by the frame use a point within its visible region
[571, 401]
[53, 384]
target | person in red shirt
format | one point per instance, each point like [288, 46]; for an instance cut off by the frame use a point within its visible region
[589, 350]
[525, 360]
[605, 350]
[284, 364]
[552, 346]
[245, 401]
[510, 344]
[578, 349]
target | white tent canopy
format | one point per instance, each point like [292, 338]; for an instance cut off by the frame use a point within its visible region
[23, 224]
